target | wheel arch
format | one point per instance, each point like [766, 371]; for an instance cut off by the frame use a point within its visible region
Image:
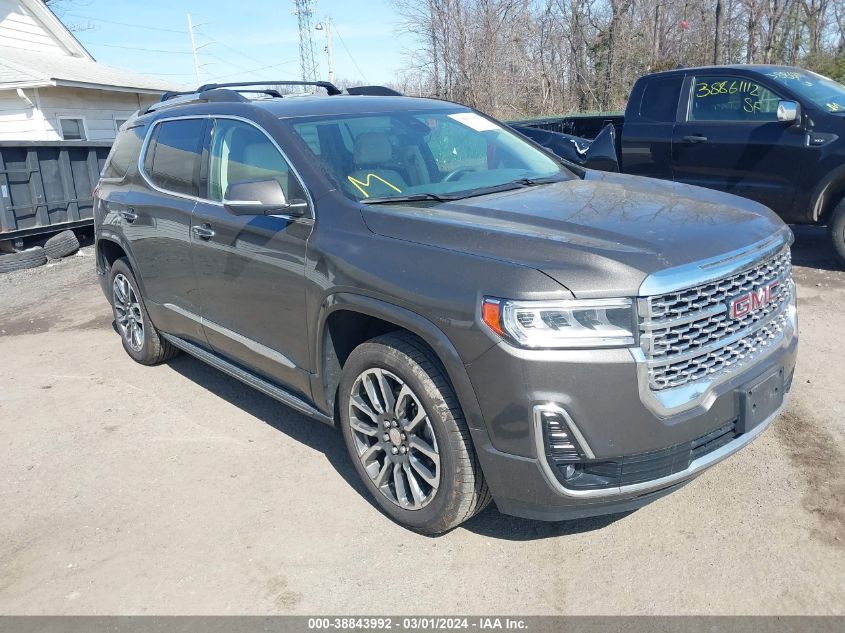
[827, 195]
[111, 246]
[348, 319]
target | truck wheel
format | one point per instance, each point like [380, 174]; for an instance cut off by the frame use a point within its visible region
[836, 226]
[61, 245]
[140, 338]
[30, 258]
[407, 436]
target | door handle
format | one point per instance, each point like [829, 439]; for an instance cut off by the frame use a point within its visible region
[694, 138]
[128, 214]
[204, 231]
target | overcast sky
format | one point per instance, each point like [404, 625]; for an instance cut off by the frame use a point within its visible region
[250, 39]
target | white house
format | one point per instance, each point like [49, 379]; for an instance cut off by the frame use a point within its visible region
[51, 88]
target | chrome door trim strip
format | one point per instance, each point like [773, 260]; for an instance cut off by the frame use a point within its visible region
[255, 346]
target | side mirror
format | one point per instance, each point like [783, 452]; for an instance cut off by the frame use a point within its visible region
[261, 197]
[788, 111]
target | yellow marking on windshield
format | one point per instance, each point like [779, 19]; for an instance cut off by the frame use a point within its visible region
[361, 185]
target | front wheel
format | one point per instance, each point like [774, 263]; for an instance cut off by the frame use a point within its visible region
[407, 436]
[836, 226]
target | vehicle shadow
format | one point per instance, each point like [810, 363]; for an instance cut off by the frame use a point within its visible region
[328, 440]
[493, 524]
[813, 248]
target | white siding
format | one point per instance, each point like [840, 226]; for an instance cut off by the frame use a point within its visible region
[19, 29]
[99, 108]
[17, 118]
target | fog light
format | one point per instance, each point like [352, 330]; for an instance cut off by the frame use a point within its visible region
[569, 471]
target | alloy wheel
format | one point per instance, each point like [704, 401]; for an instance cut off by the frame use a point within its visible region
[127, 310]
[394, 439]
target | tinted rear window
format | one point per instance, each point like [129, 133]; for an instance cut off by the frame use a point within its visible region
[660, 99]
[173, 155]
[124, 153]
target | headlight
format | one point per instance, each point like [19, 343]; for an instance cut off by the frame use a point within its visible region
[562, 324]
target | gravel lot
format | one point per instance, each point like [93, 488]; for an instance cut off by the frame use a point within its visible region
[177, 490]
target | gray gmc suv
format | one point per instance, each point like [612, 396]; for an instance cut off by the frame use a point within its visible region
[481, 320]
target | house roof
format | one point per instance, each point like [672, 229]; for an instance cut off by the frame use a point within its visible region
[28, 69]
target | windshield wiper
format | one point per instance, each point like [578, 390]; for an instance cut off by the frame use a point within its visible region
[414, 197]
[530, 182]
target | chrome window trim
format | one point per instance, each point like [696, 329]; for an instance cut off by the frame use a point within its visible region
[249, 343]
[217, 203]
[695, 467]
[715, 268]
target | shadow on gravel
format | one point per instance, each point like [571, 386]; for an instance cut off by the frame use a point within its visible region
[813, 248]
[493, 524]
[328, 441]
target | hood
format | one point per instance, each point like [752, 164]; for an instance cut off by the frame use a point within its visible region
[599, 236]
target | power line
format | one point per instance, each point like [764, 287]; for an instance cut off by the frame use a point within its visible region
[139, 48]
[255, 70]
[340, 37]
[136, 26]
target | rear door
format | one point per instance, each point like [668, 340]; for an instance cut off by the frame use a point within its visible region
[730, 140]
[251, 268]
[158, 229]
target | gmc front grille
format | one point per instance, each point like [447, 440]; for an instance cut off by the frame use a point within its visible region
[689, 335]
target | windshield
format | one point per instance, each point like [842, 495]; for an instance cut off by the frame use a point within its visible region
[408, 154]
[823, 92]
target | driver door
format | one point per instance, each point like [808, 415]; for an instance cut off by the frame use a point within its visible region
[732, 141]
[251, 268]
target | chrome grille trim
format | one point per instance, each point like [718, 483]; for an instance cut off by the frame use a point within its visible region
[687, 336]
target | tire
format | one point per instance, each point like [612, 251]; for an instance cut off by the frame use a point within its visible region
[141, 340]
[31, 258]
[448, 491]
[836, 227]
[61, 245]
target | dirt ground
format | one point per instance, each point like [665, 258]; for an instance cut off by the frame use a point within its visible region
[177, 490]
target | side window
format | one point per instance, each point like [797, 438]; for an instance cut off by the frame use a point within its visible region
[732, 99]
[124, 152]
[173, 155]
[660, 99]
[240, 151]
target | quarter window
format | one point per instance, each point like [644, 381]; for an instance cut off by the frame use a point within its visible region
[126, 148]
[172, 159]
[732, 99]
[659, 102]
[240, 151]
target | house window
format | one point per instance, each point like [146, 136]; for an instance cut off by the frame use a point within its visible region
[72, 129]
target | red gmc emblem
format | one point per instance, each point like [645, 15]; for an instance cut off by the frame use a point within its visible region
[752, 301]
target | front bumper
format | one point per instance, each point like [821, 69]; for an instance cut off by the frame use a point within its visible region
[601, 391]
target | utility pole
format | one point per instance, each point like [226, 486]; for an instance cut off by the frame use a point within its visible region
[329, 51]
[307, 60]
[194, 49]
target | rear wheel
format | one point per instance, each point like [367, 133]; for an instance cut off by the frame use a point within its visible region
[407, 436]
[140, 338]
[836, 226]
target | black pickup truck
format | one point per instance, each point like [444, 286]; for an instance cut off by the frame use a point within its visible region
[774, 134]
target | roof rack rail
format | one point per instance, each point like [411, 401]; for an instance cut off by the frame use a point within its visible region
[329, 87]
[374, 91]
[169, 99]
